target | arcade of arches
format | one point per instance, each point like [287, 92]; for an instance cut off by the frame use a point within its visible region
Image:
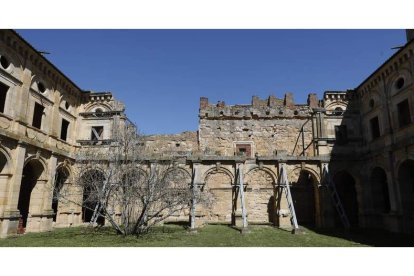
[264, 200]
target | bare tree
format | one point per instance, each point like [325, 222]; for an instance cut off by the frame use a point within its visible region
[116, 182]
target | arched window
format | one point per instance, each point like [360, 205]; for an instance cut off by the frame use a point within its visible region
[399, 83]
[4, 62]
[338, 111]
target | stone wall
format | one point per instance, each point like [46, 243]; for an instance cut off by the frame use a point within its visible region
[182, 144]
[266, 125]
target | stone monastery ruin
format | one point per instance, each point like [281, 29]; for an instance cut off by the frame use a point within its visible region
[348, 158]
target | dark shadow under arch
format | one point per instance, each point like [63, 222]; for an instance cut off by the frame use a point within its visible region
[92, 180]
[379, 189]
[406, 184]
[304, 199]
[31, 174]
[345, 186]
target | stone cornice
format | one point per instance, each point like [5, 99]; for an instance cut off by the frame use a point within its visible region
[389, 67]
[38, 62]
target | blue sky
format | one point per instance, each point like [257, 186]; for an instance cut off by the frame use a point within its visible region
[161, 74]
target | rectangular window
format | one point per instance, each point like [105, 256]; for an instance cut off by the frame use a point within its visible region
[3, 92]
[37, 116]
[404, 115]
[341, 135]
[375, 129]
[97, 133]
[244, 150]
[64, 130]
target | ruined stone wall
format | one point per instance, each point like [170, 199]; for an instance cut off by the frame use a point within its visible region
[183, 144]
[267, 125]
[219, 184]
[260, 196]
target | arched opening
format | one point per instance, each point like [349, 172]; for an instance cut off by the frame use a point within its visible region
[345, 186]
[61, 178]
[92, 182]
[260, 197]
[406, 183]
[379, 188]
[31, 174]
[338, 111]
[219, 185]
[177, 185]
[304, 192]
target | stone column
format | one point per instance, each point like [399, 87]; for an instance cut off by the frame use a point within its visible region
[11, 213]
[46, 211]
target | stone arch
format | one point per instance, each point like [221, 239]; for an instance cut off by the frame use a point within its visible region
[219, 184]
[91, 180]
[32, 188]
[271, 173]
[93, 106]
[183, 173]
[379, 190]
[346, 187]
[306, 196]
[220, 169]
[406, 185]
[260, 196]
[92, 168]
[332, 106]
[132, 174]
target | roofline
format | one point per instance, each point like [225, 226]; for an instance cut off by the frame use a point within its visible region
[384, 63]
[50, 63]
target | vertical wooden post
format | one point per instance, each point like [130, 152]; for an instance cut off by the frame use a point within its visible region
[303, 141]
[284, 182]
[241, 187]
[193, 201]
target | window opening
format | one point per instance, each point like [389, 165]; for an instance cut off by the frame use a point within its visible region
[37, 116]
[64, 130]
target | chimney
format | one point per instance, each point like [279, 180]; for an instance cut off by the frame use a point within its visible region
[255, 101]
[272, 101]
[203, 102]
[312, 100]
[410, 34]
[289, 100]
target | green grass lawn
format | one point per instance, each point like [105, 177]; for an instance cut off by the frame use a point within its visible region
[210, 236]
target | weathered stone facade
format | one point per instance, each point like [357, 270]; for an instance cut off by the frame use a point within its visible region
[364, 134]
[44, 119]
